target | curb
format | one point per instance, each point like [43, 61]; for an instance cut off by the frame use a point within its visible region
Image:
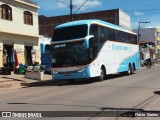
[11, 83]
[38, 83]
[23, 84]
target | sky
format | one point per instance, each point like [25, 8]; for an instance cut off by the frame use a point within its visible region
[139, 10]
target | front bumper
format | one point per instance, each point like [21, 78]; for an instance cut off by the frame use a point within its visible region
[83, 74]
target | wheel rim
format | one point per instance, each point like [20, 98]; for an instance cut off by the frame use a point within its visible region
[102, 74]
[129, 69]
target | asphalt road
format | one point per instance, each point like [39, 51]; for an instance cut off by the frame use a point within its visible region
[139, 92]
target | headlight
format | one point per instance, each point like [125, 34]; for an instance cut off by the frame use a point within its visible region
[82, 69]
[53, 71]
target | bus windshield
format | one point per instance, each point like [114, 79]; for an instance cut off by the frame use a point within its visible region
[71, 32]
[69, 54]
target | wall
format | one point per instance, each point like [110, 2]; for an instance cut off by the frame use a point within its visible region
[124, 20]
[17, 33]
[146, 34]
[47, 24]
[19, 42]
[15, 26]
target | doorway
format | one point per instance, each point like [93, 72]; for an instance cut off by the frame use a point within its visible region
[8, 56]
[28, 55]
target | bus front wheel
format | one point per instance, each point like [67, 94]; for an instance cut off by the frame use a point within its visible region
[102, 74]
[130, 69]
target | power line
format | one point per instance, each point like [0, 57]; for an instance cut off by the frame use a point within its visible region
[63, 2]
[66, 3]
[72, 6]
[80, 7]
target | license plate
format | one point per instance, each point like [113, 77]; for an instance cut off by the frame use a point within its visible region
[67, 76]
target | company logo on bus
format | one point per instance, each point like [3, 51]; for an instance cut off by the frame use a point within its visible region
[120, 47]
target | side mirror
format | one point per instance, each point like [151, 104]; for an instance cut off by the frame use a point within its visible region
[89, 37]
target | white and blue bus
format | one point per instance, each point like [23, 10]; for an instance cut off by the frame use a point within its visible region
[92, 48]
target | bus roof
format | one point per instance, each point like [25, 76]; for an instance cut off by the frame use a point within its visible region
[95, 21]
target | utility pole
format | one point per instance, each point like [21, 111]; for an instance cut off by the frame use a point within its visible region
[139, 27]
[71, 7]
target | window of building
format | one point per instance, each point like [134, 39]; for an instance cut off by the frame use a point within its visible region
[28, 18]
[6, 12]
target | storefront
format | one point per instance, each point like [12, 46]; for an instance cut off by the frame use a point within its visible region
[16, 49]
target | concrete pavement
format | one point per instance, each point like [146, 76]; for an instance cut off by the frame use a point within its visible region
[139, 91]
[129, 93]
[18, 81]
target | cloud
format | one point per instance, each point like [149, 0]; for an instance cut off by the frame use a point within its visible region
[61, 5]
[150, 27]
[138, 13]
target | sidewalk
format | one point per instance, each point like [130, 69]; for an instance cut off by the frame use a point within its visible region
[7, 81]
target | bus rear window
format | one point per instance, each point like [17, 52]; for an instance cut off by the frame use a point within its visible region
[71, 32]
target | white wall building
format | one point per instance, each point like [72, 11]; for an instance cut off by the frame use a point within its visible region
[19, 30]
[124, 20]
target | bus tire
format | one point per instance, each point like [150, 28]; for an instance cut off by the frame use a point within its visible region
[102, 74]
[130, 70]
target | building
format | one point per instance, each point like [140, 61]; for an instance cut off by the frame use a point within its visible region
[19, 32]
[149, 41]
[116, 16]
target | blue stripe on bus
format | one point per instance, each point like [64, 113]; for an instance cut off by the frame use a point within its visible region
[75, 75]
[132, 59]
[81, 22]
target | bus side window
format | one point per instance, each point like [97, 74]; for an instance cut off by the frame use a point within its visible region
[93, 46]
[103, 36]
[125, 37]
[93, 42]
[111, 34]
[94, 31]
[132, 39]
